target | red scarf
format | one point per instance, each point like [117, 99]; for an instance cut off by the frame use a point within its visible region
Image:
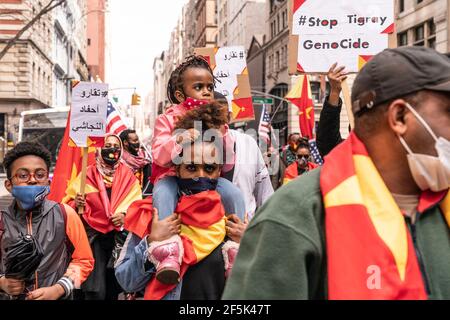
[370, 253]
[292, 171]
[99, 208]
[202, 212]
[135, 163]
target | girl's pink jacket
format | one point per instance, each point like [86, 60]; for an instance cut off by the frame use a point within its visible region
[165, 148]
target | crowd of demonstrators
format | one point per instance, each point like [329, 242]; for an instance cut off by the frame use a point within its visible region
[214, 228]
[136, 157]
[111, 188]
[195, 265]
[303, 161]
[374, 221]
[44, 250]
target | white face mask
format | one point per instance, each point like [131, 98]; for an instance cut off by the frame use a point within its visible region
[430, 172]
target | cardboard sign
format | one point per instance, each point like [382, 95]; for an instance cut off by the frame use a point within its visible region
[342, 17]
[348, 32]
[229, 66]
[88, 114]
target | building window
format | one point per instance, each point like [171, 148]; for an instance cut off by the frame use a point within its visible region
[401, 5]
[425, 34]
[419, 35]
[431, 34]
[403, 39]
[419, 1]
[270, 64]
[285, 20]
[278, 24]
[277, 61]
[88, 41]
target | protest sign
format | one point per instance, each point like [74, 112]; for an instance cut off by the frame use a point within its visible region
[88, 113]
[229, 66]
[342, 17]
[87, 121]
[348, 32]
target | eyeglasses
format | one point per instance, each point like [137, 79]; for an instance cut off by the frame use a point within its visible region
[299, 157]
[24, 176]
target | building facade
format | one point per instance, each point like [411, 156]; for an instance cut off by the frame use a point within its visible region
[69, 50]
[206, 23]
[244, 21]
[423, 23]
[96, 35]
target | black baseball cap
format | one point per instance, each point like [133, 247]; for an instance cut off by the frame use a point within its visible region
[395, 73]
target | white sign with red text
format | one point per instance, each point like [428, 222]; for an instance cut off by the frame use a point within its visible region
[349, 32]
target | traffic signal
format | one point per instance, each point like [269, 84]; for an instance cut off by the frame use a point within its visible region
[135, 99]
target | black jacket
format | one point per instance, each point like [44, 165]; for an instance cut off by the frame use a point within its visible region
[328, 130]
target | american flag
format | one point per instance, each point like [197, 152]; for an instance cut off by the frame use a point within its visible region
[264, 126]
[114, 122]
[315, 152]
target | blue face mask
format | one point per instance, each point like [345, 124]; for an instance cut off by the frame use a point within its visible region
[30, 197]
[197, 185]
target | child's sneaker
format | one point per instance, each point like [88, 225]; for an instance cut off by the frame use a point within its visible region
[166, 256]
[229, 252]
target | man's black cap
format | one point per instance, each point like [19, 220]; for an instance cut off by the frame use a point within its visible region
[395, 73]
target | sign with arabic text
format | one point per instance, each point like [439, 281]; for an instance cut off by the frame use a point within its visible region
[88, 114]
[229, 65]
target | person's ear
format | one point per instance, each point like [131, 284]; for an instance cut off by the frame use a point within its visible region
[8, 185]
[396, 116]
[180, 95]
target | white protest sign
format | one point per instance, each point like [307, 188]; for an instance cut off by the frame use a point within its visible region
[230, 62]
[343, 17]
[88, 112]
[348, 32]
[318, 53]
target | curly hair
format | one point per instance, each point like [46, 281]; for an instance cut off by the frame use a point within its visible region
[212, 116]
[303, 143]
[176, 78]
[26, 149]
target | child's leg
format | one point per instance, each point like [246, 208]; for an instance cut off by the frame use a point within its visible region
[232, 198]
[165, 196]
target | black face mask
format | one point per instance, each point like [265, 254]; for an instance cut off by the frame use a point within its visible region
[197, 185]
[134, 148]
[110, 155]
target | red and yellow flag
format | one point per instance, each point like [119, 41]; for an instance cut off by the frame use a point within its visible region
[370, 253]
[68, 166]
[301, 96]
[100, 208]
[202, 231]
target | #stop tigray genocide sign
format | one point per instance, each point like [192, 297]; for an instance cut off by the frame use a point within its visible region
[348, 32]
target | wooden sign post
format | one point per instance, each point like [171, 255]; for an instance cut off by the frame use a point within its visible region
[84, 164]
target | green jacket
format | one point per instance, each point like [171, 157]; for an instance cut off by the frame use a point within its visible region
[283, 252]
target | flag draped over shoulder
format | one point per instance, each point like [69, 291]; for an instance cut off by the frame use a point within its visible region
[68, 166]
[99, 208]
[292, 171]
[69, 161]
[301, 96]
[202, 231]
[365, 230]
